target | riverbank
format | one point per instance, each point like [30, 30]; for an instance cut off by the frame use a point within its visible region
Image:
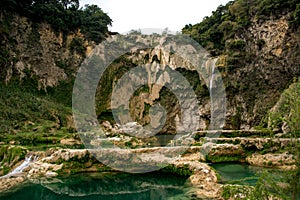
[204, 180]
[71, 161]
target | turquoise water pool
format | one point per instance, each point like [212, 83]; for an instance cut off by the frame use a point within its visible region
[239, 173]
[110, 186]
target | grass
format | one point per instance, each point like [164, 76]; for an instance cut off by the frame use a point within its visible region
[24, 109]
[224, 158]
[34, 119]
[182, 171]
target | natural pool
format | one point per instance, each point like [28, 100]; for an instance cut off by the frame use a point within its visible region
[240, 173]
[110, 186]
[124, 186]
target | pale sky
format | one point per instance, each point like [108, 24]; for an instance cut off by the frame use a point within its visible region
[161, 14]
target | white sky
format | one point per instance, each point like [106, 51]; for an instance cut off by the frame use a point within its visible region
[140, 14]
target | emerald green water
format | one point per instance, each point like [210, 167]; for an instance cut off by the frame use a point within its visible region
[249, 175]
[239, 173]
[110, 186]
[123, 186]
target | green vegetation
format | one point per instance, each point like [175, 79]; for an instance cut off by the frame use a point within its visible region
[266, 187]
[224, 158]
[79, 165]
[285, 185]
[63, 15]
[235, 191]
[32, 118]
[77, 46]
[9, 156]
[25, 109]
[182, 171]
[288, 110]
[217, 32]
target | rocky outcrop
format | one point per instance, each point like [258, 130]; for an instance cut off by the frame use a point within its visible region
[70, 142]
[282, 161]
[41, 168]
[55, 161]
[254, 78]
[160, 84]
[39, 53]
[203, 178]
[11, 156]
[8, 183]
[224, 152]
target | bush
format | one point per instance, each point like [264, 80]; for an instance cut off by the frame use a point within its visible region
[65, 16]
[77, 45]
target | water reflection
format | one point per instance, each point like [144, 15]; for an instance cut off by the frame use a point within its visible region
[241, 173]
[115, 186]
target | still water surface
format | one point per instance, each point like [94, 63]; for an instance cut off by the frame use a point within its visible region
[123, 186]
[110, 186]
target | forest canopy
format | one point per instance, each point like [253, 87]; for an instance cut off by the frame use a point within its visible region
[63, 15]
[231, 19]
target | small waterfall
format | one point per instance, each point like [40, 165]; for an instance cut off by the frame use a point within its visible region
[20, 168]
[212, 77]
[217, 98]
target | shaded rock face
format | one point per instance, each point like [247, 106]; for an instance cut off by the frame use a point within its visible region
[37, 52]
[154, 97]
[254, 77]
[254, 81]
[257, 75]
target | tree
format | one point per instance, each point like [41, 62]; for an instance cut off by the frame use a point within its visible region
[292, 97]
[94, 23]
[288, 112]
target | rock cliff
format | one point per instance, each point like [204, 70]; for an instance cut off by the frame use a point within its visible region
[257, 63]
[36, 51]
[254, 75]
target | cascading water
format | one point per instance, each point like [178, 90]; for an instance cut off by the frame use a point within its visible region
[217, 98]
[20, 168]
[212, 78]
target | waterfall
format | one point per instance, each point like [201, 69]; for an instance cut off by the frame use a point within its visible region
[20, 168]
[217, 97]
[212, 77]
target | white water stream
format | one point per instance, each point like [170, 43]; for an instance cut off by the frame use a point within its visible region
[20, 168]
[212, 78]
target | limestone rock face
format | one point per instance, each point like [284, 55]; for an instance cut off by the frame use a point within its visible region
[7, 183]
[255, 82]
[155, 84]
[43, 169]
[203, 178]
[70, 142]
[40, 53]
[283, 161]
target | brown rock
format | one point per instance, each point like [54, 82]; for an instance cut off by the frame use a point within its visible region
[70, 142]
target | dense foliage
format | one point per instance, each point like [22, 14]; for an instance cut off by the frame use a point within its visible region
[230, 20]
[63, 15]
